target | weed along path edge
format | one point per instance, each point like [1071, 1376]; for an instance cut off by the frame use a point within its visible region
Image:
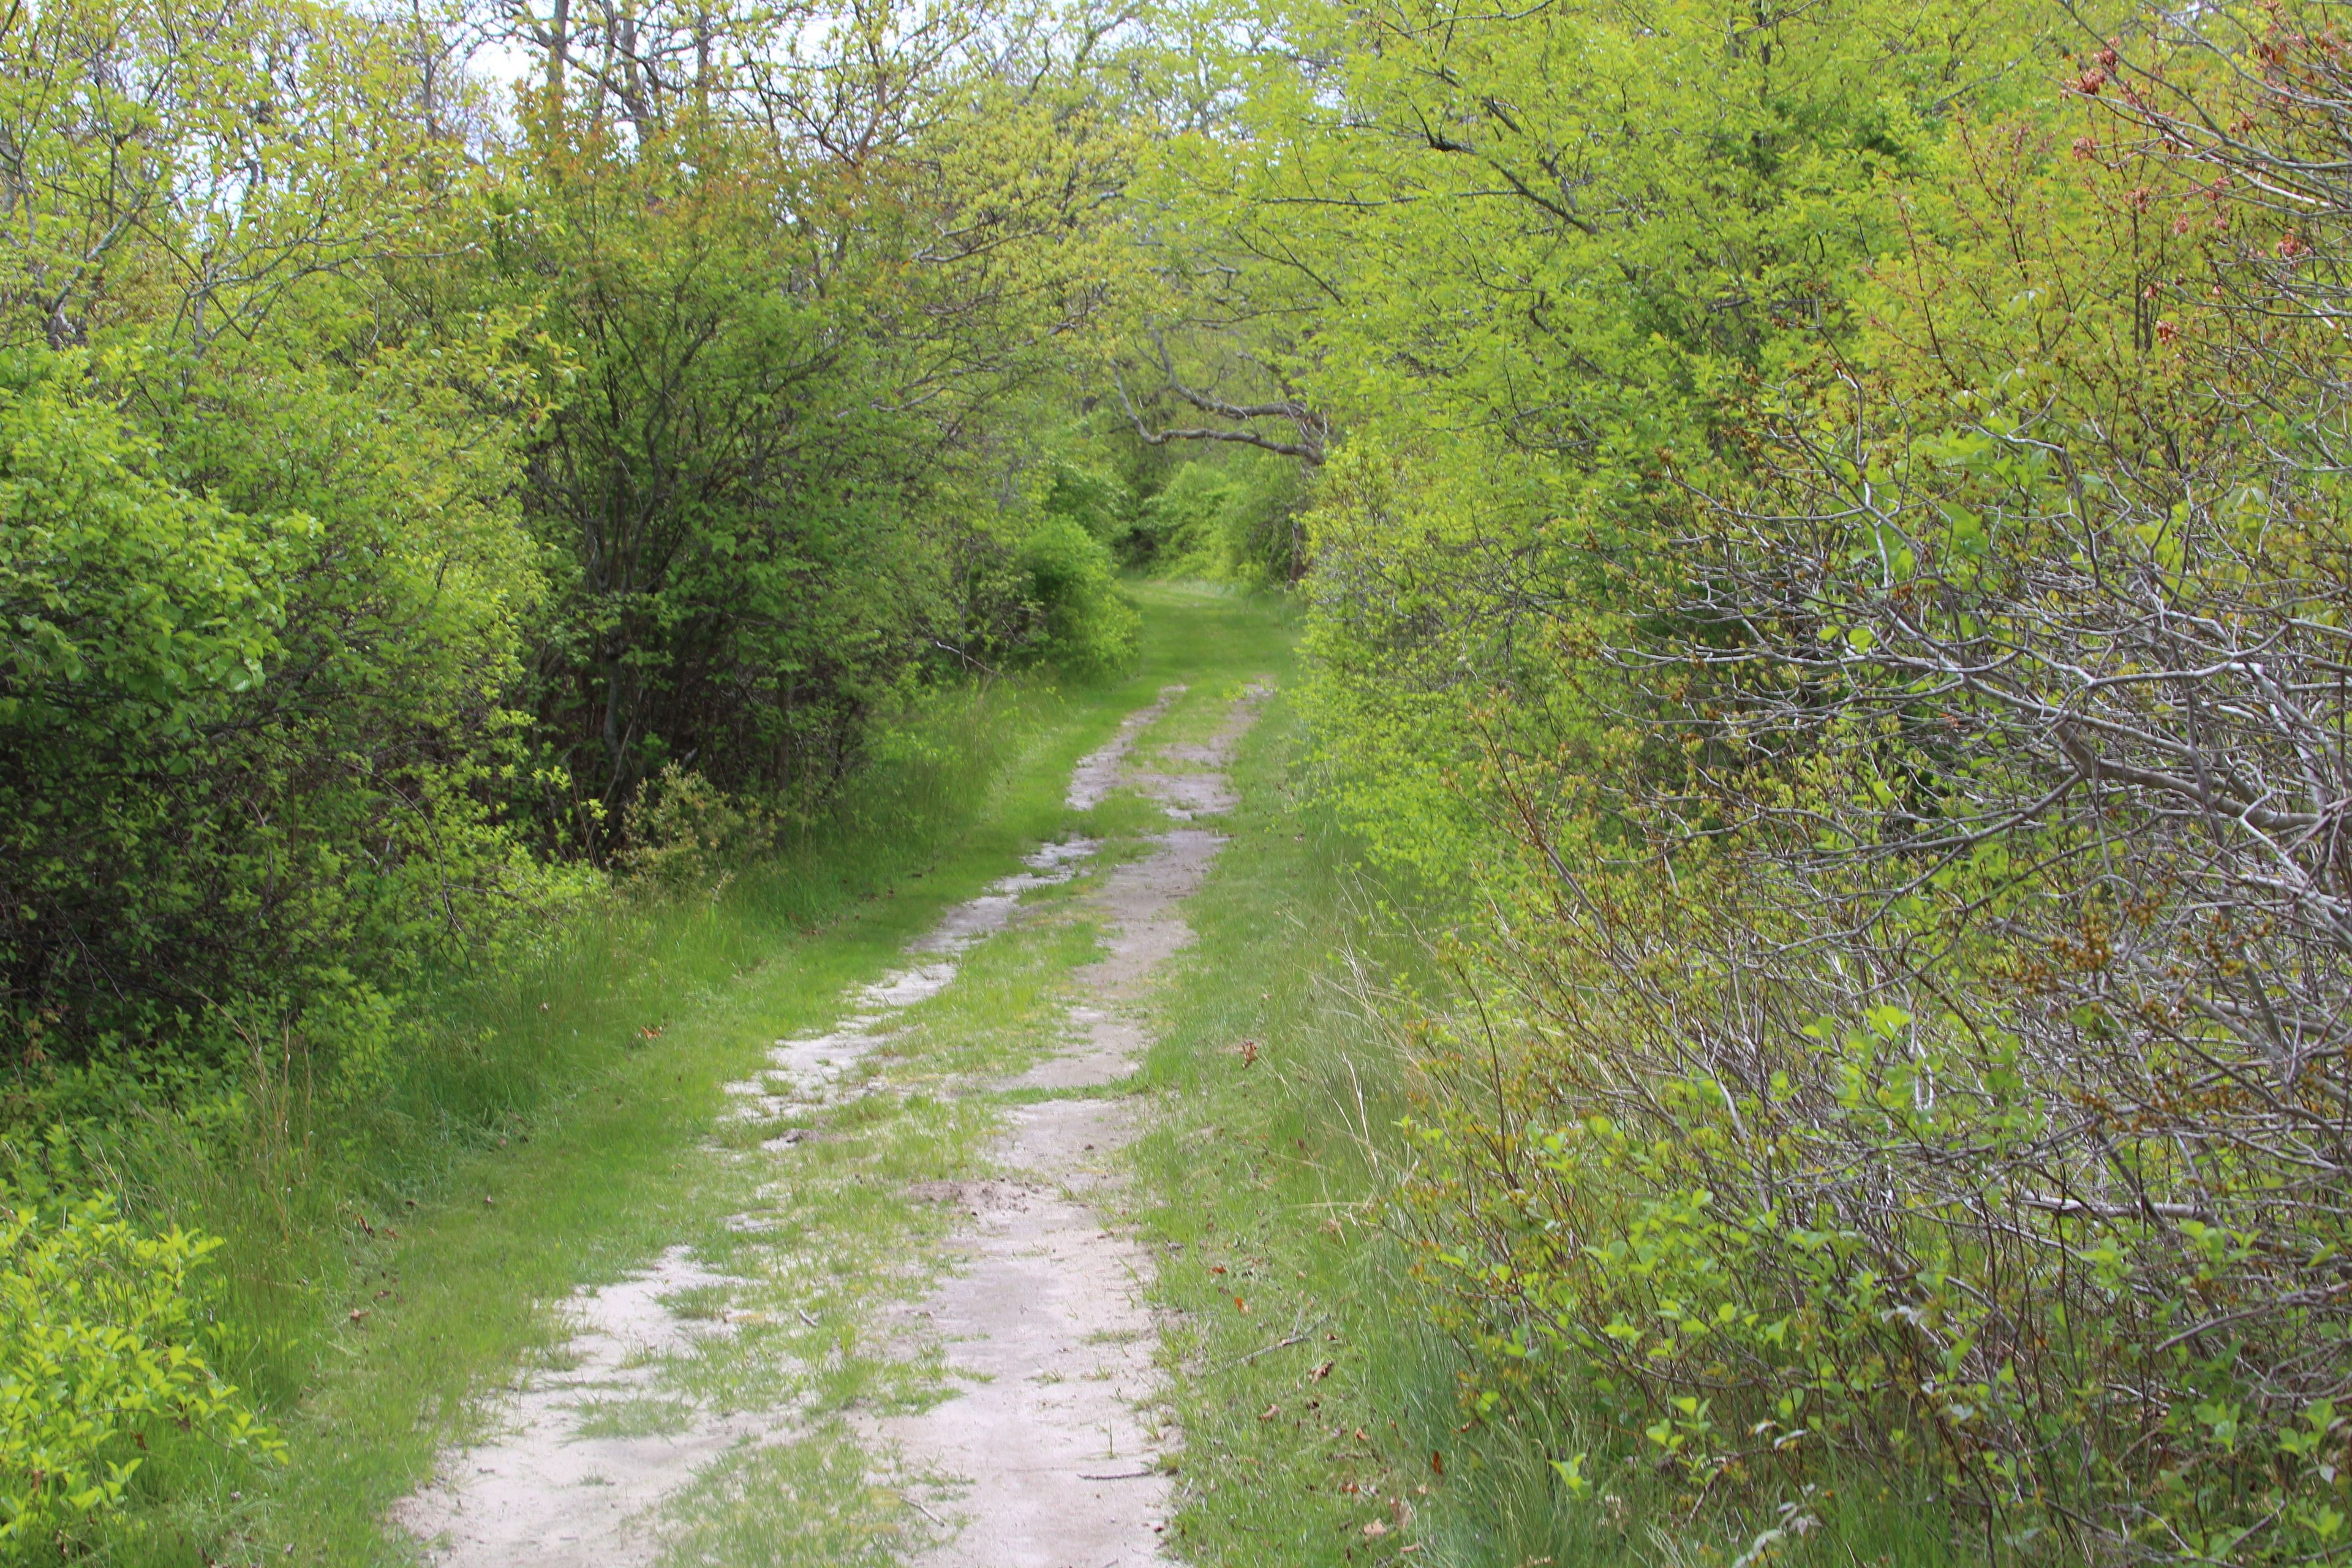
[900, 1316]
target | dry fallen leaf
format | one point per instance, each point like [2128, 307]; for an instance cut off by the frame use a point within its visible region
[1320, 1373]
[1270, 1411]
[1378, 1527]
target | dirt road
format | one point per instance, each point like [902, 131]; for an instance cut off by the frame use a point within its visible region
[1041, 1441]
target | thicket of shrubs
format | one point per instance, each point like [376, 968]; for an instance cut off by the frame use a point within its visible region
[1834, 561]
[394, 481]
[1236, 519]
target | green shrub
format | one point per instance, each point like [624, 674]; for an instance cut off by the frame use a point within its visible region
[98, 1332]
[1906, 1012]
[1090, 627]
[1236, 520]
[684, 832]
[1186, 513]
[1096, 501]
[249, 720]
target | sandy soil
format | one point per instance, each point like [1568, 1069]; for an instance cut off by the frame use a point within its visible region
[1052, 1454]
[547, 1489]
[1098, 772]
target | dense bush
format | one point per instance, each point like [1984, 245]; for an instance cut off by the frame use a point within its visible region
[737, 573]
[1089, 628]
[389, 496]
[1835, 574]
[684, 833]
[1236, 521]
[250, 709]
[1096, 501]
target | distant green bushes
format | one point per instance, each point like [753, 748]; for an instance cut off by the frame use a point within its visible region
[1239, 520]
[1089, 628]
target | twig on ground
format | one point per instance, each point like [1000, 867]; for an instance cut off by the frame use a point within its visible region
[1300, 1338]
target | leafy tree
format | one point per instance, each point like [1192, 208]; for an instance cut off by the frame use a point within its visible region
[265, 587]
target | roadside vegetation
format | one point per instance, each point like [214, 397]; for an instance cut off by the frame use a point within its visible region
[1795, 895]
[1816, 586]
[478, 573]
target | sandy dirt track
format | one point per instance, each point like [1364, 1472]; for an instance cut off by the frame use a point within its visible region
[1048, 1448]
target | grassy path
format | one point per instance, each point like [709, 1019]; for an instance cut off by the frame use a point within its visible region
[800, 1241]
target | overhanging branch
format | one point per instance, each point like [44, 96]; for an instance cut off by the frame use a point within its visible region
[1312, 432]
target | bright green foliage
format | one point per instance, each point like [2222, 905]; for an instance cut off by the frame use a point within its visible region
[1825, 572]
[241, 742]
[1187, 510]
[128, 602]
[1569, 245]
[1088, 627]
[1234, 522]
[264, 587]
[1095, 501]
[98, 1344]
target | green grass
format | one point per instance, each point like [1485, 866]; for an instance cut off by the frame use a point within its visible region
[1259, 1179]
